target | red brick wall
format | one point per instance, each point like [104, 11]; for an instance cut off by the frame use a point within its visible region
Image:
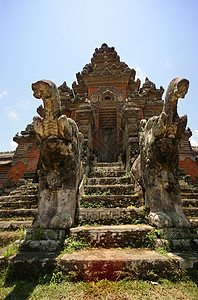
[4, 172]
[190, 167]
[34, 158]
[17, 171]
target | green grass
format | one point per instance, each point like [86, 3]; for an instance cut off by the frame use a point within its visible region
[11, 250]
[104, 289]
[73, 245]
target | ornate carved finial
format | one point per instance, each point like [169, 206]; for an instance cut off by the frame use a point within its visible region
[148, 84]
[104, 46]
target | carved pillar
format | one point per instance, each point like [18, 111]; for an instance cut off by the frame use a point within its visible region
[84, 119]
[130, 123]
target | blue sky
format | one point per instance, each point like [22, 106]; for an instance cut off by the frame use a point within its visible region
[54, 39]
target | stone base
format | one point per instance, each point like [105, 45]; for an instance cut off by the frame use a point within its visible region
[50, 246]
[179, 233]
[43, 240]
[177, 244]
[32, 264]
[44, 234]
[178, 239]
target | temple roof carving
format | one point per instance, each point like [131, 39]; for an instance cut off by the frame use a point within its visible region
[105, 60]
[107, 70]
[105, 66]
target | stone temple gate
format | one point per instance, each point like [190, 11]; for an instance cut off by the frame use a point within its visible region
[107, 102]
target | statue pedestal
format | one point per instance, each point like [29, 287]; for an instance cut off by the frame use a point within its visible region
[43, 240]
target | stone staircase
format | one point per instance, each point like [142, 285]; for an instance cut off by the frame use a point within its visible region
[189, 194]
[109, 198]
[17, 211]
[112, 221]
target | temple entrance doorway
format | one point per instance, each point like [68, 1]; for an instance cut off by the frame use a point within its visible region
[107, 148]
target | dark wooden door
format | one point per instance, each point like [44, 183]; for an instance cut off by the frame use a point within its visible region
[107, 148]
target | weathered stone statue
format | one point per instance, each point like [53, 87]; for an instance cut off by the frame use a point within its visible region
[60, 174]
[156, 168]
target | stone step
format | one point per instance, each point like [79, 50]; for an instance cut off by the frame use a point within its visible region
[114, 236]
[32, 187]
[110, 216]
[99, 201]
[31, 264]
[15, 225]
[108, 180]
[189, 196]
[106, 173]
[108, 167]
[18, 205]
[112, 164]
[113, 264]
[96, 264]
[116, 189]
[190, 202]
[17, 213]
[189, 189]
[8, 237]
[7, 199]
[191, 212]
[194, 222]
[23, 193]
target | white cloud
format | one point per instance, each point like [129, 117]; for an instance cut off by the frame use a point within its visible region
[194, 138]
[140, 74]
[23, 104]
[193, 142]
[11, 114]
[4, 93]
[196, 133]
[13, 144]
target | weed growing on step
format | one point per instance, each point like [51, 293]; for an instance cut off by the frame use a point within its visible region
[99, 170]
[98, 204]
[107, 202]
[37, 236]
[88, 192]
[21, 232]
[141, 219]
[175, 273]
[127, 174]
[72, 245]
[162, 251]
[152, 236]
[11, 250]
[108, 220]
